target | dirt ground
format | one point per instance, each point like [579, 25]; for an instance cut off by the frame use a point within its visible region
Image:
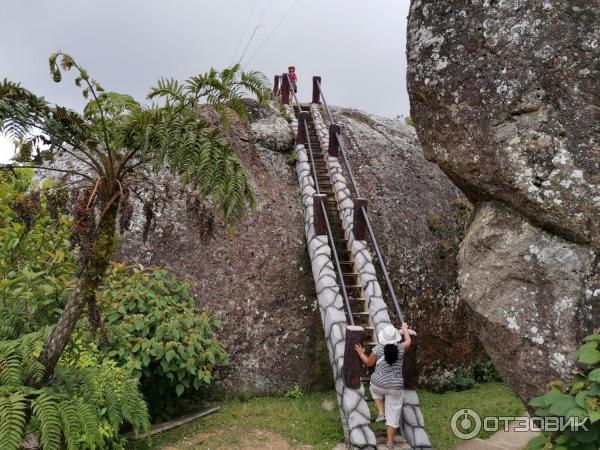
[235, 438]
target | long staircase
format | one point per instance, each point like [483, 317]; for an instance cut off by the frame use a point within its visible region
[358, 302]
[348, 291]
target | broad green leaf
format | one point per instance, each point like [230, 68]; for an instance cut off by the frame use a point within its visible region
[594, 375]
[538, 442]
[563, 405]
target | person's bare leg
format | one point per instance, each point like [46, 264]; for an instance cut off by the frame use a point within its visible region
[390, 435]
[380, 407]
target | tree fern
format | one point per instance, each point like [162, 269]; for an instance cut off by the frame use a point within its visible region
[115, 138]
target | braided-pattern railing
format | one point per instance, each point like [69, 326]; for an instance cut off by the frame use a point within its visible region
[354, 410]
[412, 419]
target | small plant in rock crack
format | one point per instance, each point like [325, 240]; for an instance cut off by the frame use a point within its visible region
[295, 393]
[292, 159]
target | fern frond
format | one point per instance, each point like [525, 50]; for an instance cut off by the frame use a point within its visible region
[45, 410]
[13, 420]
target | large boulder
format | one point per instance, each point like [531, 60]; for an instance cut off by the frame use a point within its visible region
[257, 278]
[505, 98]
[419, 218]
[532, 295]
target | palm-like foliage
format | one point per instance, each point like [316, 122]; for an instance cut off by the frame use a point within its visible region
[113, 140]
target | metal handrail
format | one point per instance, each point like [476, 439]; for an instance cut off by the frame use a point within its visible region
[329, 233]
[384, 270]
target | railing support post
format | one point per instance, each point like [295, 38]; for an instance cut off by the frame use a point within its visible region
[409, 364]
[301, 137]
[352, 364]
[316, 98]
[334, 145]
[285, 89]
[360, 224]
[276, 86]
[319, 215]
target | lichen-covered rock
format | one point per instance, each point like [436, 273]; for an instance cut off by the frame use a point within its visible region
[419, 218]
[505, 98]
[257, 280]
[533, 296]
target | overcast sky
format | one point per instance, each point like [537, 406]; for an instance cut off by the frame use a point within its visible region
[357, 46]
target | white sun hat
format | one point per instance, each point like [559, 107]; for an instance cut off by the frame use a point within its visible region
[389, 335]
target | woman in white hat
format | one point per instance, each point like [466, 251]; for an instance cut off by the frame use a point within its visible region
[386, 381]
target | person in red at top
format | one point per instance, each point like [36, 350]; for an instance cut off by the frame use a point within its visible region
[293, 77]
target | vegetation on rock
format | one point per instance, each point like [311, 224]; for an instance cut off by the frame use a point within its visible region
[578, 399]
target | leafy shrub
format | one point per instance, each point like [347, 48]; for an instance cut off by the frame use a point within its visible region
[37, 265]
[462, 380]
[580, 398]
[409, 121]
[154, 330]
[295, 393]
[485, 372]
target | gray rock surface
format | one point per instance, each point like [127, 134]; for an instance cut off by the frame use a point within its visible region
[533, 296]
[419, 218]
[505, 98]
[257, 281]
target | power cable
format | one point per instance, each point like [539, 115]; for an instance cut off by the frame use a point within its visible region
[288, 12]
[258, 26]
[243, 32]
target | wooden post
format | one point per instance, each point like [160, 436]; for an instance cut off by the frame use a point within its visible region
[352, 364]
[316, 98]
[409, 364]
[360, 224]
[319, 215]
[334, 147]
[301, 137]
[276, 89]
[285, 89]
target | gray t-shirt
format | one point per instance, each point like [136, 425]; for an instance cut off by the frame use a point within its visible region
[388, 376]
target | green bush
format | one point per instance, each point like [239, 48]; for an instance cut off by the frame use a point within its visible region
[462, 380]
[485, 372]
[87, 401]
[153, 329]
[580, 398]
[37, 265]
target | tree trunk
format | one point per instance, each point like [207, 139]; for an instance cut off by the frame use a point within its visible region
[91, 275]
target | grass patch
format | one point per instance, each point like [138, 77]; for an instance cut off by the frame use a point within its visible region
[490, 399]
[303, 421]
